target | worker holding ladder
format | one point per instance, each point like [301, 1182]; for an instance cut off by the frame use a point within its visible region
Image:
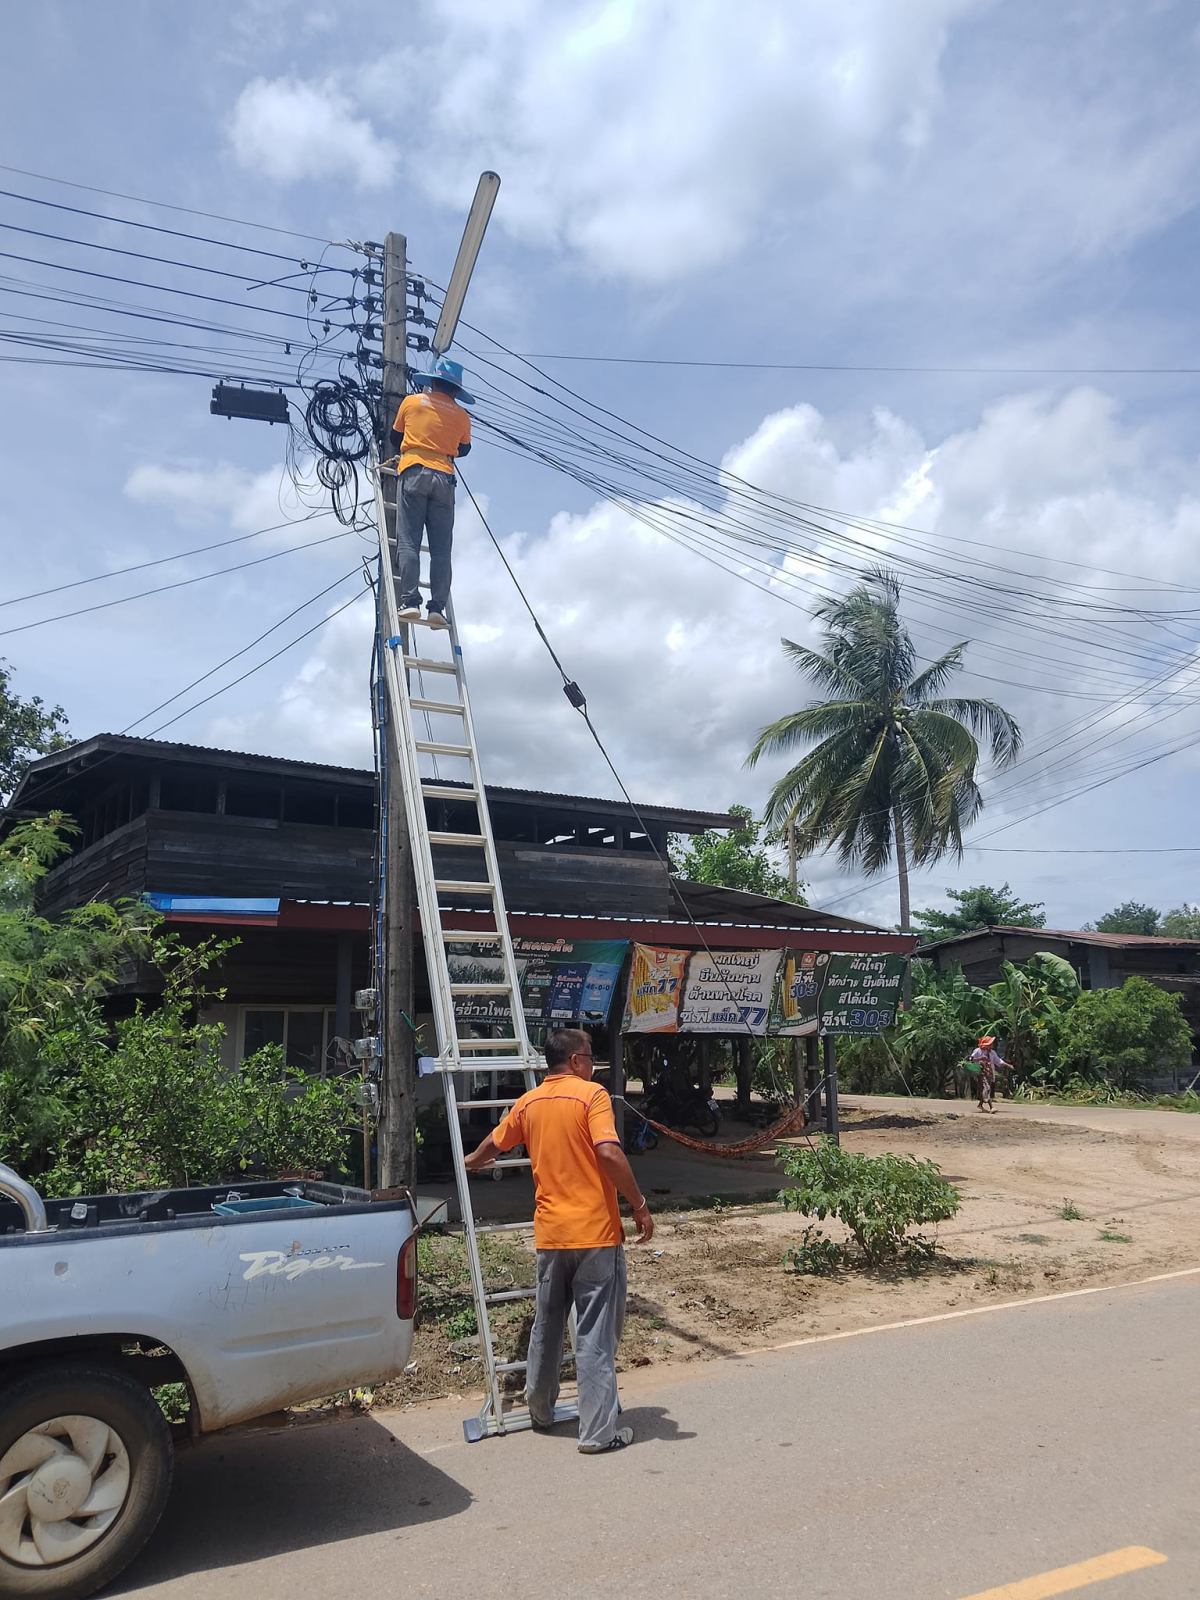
[433, 431]
[567, 1126]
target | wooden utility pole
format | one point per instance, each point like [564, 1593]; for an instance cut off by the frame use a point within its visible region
[398, 1110]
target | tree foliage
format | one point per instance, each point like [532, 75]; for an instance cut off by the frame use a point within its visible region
[1124, 1036]
[1131, 916]
[1182, 923]
[980, 907]
[736, 859]
[27, 729]
[87, 1104]
[891, 760]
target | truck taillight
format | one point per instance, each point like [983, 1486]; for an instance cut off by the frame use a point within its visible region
[406, 1280]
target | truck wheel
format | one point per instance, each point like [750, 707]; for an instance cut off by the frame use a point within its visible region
[85, 1469]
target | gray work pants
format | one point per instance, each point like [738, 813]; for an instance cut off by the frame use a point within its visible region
[593, 1281]
[425, 503]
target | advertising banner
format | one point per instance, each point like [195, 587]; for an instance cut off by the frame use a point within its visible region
[797, 993]
[777, 993]
[728, 991]
[860, 993]
[564, 982]
[655, 981]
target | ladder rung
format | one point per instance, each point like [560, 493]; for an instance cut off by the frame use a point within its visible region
[470, 936]
[484, 1044]
[522, 1366]
[482, 1105]
[465, 841]
[509, 1294]
[480, 988]
[444, 708]
[463, 886]
[419, 664]
[502, 1227]
[434, 747]
[513, 1161]
[440, 791]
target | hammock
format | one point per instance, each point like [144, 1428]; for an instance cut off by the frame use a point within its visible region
[792, 1122]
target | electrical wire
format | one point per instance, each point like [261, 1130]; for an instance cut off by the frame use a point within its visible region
[828, 366]
[196, 682]
[141, 566]
[167, 205]
[182, 583]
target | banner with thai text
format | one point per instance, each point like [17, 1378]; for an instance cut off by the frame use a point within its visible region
[773, 993]
[728, 991]
[860, 994]
[655, 981]
[564, 982]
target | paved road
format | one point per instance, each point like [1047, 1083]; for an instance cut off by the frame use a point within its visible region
[929, 1462]
[1152, 1122]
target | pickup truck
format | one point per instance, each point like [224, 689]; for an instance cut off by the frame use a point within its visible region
[256, 1297]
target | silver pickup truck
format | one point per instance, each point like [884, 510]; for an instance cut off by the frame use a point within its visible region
[255, 1297]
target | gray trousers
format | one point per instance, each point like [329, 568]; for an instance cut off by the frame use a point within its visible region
[593, 1281]
[424, 504]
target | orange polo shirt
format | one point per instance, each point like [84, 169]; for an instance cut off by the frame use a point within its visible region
[560, 1123]
[433, 425]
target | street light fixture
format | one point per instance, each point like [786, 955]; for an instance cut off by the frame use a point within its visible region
[464, 265]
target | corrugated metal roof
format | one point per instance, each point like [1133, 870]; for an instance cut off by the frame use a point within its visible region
[1111, 941]
[125, 744]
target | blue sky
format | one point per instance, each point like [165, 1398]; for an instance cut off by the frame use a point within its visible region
[847, 183]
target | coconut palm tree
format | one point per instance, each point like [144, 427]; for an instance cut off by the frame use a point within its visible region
[892, 761]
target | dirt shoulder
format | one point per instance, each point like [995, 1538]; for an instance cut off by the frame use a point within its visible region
[712, 1281]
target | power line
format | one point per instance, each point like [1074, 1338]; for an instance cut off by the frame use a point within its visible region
[164, 261]
[167, 205]
[183, 583]
[195, 683]
[830, 366]
[140, 566]
[170, 722]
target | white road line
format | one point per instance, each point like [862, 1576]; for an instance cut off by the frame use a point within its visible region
[967, 1311]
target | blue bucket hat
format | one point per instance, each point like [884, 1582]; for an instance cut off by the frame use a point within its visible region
[449, 372]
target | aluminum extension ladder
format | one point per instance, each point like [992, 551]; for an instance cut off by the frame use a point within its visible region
[459, 1057]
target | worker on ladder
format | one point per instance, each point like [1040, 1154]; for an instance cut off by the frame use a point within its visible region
[579, 1168]
[432, 430]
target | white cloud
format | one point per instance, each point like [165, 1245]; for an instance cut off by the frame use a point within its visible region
[657, 140]
[289, 129]
[197, 492]
[681, 664]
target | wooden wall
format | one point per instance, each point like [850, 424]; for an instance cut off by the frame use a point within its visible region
[172, 852]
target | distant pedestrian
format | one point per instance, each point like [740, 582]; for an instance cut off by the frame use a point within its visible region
[433, 432]
[567, 1126]
[989, 1060]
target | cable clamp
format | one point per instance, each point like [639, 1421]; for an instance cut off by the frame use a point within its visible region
[416, 341]
[575, 695]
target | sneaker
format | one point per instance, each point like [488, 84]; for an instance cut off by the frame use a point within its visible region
[409, 614]
[436, 620]
[619, 1440]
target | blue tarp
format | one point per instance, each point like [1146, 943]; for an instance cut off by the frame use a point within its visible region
[215, 903]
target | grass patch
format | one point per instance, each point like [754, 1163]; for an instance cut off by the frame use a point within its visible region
[1034, 1238]
[1070, 1212]
[1114, 1238]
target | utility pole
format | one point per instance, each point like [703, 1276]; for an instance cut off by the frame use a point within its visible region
[398, 1110]
[791, 844]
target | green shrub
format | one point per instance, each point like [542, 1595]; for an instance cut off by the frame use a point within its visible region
[1124, 1036]
[878, 1198]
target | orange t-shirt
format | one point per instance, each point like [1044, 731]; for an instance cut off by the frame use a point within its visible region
[433, 425]
[560, 1123]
